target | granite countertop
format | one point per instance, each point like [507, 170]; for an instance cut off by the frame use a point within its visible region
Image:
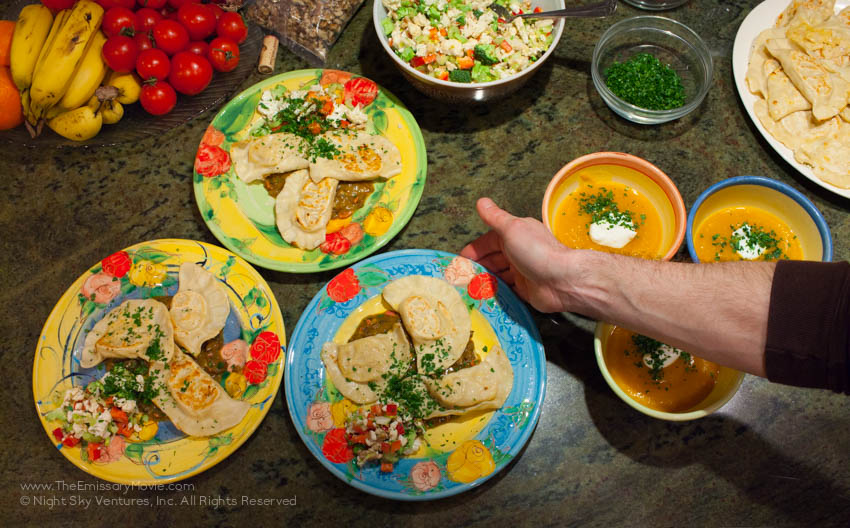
[775, 455]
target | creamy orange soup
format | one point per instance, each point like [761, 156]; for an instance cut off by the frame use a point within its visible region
[715, 239]
[572, 218]
[675, 388]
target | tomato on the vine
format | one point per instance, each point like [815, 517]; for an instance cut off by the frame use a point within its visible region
[58, 5]
[109, 4]
[153, 4]
[119, 53]
[119, 21]
[224, 54]
[146, 19]
[153, 64]
[177, 3]
[198, 19]
[170, 36]
[230, 25]
[158, 98]
[144, 40]
[198, 47]
[190, 73]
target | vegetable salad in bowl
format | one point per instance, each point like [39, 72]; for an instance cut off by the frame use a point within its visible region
[463, 40]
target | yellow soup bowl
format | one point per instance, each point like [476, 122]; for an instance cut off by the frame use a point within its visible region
[775, 206]
[636, 185]
[726, 384]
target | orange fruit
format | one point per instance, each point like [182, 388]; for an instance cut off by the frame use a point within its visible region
[7, 27]
[11, 112]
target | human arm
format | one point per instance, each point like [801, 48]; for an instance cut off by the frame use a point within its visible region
[716, 311]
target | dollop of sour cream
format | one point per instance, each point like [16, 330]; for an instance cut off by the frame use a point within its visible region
[667, 354]
[607, 234]
[747, 249]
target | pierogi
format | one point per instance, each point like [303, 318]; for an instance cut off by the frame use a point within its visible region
[199, 309]
[360, 369]
[193, 401]
[483, 387]
[137, 328]
[436, 318]
[258, 157]
[303, 208]
[800, 69]
[361, 157]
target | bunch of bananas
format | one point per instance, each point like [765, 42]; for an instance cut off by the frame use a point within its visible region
[56, 64]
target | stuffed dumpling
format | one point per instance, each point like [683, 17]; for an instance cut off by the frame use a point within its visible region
[303, 209]
[485, 386]
[137, 328]
[258, 157]
[199, 309]
[361, 157]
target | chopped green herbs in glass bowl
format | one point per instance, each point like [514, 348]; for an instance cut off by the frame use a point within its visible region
[651, 69]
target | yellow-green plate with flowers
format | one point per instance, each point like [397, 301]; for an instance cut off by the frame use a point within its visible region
[242, 215]
[161, 453]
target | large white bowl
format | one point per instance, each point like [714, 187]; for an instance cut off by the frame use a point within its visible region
[466, 92]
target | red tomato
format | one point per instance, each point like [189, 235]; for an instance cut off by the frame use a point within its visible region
[146, 18]
[177, 3]
[119, 21]
[170, 36]
[153, 4]
[158, 98]
[109, 4]
[58, 5]
[153, 64]
[360, 91]
[143, 40]
[119, 53]
[224, 54]
[230, 25]
[190, 74]
[217, 11]
[198, 19]
[199, 47]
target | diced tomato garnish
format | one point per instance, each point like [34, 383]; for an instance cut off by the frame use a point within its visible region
[470, 53]
[118, 415]
[538, 9]
[314, 128]
[125, 430]
[358, 428]
[377, 410]
[58, 434]
[501, 20]
[400, 428]
[357, 439]
[387, 467]
[109, 400]
[395, 446]
[70, 441]
[369, 423]
[93, 451]
[417, 61]
[505, 46]
[392, 409]
[328, 107]
[385, 447]
[344, 123]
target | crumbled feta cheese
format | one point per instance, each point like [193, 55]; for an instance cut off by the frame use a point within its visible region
[356, 115]
[268, 106]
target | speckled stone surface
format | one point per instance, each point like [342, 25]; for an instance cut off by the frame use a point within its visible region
[774, 456]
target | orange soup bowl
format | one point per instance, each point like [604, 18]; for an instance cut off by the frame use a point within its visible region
[696, 403]
[639, 185]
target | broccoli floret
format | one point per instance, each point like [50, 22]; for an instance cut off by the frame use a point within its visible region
[463, 76]
[486, 54]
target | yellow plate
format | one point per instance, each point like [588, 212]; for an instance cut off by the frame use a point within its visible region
[145, 270]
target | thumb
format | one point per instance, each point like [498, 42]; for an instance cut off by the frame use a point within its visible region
[492, 215]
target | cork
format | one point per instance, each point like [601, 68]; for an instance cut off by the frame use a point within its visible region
[268, 55]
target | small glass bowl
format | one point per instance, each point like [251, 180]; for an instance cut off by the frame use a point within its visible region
[673, 43]
[656, 5]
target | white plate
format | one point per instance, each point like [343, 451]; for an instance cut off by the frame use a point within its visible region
[762, 17]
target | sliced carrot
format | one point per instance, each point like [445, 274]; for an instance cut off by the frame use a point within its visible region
[118, 415]
[328, 107]
[386, 467]
[443, 75]
[428, 59]
[433, 32]
[465, 63]
[314, 128]
[470, 53]
[505, 46]
[443, 32]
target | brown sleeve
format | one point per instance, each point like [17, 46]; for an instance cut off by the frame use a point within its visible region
[808, 327]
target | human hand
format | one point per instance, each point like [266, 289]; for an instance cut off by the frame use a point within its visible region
[524, 254]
